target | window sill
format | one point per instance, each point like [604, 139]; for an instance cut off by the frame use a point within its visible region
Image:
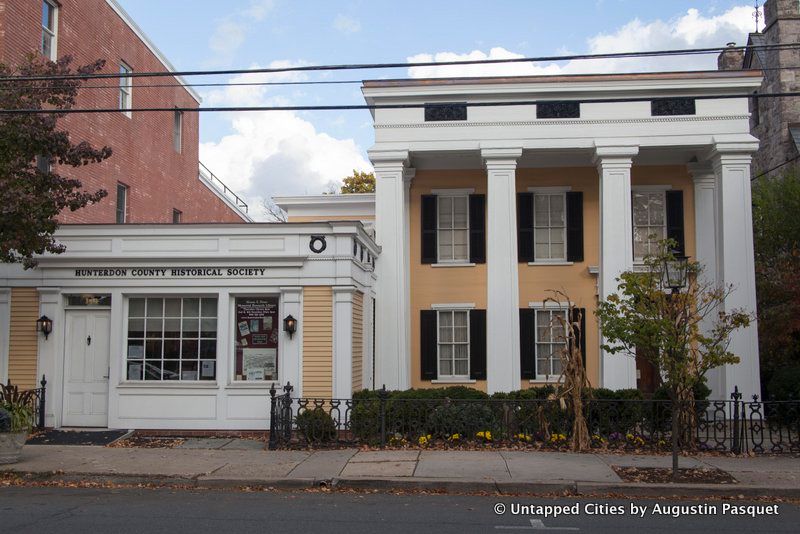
[543, 382]
[453, 264]
[263, 384]
[547, 263]
[169, 384]
[454, 381]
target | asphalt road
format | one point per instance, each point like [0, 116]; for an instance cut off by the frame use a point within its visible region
[68, 510]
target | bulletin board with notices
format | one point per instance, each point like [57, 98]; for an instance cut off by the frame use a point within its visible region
[257, 332]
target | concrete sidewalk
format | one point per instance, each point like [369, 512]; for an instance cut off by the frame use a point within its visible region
[456, 471]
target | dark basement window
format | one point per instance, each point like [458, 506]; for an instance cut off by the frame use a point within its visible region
[445, 112]
[672, 106]
[558, 110]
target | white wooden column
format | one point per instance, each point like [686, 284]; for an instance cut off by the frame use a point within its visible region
[617, 371]
[290, 358]
[5, 331]
[735, 261]
[343, 342]
[51, 353]
[502, 316]
[393, 363]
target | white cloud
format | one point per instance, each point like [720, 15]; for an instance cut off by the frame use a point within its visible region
[690, 30]
[346, 24]
[231, 31]
[275, 153]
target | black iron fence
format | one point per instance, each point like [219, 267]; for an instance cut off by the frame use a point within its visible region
[734, 425]
[32, 399]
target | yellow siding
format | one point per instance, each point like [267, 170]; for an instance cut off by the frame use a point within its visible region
[358, 339]
[23, 338]
[317, 342]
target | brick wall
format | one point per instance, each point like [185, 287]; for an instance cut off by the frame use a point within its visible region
[160, 179]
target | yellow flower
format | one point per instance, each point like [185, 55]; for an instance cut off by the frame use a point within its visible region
[455, 437]
[484, 434]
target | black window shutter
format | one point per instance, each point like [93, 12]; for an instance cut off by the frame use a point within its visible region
[428, 350]
[575, 226]
[477, 344]
[525, 252]
[429, 229]
[477, 228]
[675, 219]
[579, 316]
[527, 338]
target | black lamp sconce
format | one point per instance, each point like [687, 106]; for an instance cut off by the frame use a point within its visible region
[44, 325]
[290, 325]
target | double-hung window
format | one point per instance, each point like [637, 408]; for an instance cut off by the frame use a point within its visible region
[649, 222]
[177, 131]
[122, 203]
[453, 228]
[453, 344]
[125, 89]
[550, 342]
[550, 226]
[49, 29]
[172, 339]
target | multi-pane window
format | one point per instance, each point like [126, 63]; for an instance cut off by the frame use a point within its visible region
[177, 130]
[172, 339]
[550, 342]
[649, 222]
[453, 228]
[125, 89]
[122, 203]
[49, 29]
[453, 343]
[550, 226]
[177, 216]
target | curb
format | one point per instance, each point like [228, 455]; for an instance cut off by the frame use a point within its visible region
[454, 486]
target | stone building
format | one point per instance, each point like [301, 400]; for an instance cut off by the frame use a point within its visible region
[774, 121]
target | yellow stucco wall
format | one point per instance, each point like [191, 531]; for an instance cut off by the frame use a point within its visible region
[440, 285]
[23, 338]
[317, 341]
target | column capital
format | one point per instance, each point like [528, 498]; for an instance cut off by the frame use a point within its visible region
[701, 172]
[606, 156]
[501, 158]
[408, 174]
[732, 153]
[388, 159]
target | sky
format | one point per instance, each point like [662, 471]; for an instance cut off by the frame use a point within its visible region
[264, 154]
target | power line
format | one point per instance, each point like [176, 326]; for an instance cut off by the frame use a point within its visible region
[350, 107]
[372, 66]
[776, 167]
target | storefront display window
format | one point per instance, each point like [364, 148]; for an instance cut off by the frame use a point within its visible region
[257, 330]
[172, 339]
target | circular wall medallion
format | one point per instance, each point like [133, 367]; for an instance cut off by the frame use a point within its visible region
[318, 244]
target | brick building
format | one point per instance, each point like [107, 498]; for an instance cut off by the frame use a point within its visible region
[774, 121]
[154, 174]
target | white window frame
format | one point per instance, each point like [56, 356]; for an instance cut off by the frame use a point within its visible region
[125, 203]
[451, 195]
[451, 377]
[125, 89]
[177, 131]
[171, 383]
[52, 32]
[547, 307]
[657, 189]
[550, 191]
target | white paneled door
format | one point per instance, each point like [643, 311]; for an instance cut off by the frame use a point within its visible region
[86, 362]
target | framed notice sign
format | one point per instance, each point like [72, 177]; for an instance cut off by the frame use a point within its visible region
[256, 328]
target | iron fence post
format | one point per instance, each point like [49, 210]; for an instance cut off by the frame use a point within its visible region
[286, 411]
[675, 430]
[273, 415]
[383, 395]
[736, 448]
[42, 397]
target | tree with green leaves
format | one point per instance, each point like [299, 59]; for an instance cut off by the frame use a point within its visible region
[684, 334]
[776, 230]
[359, 182]
[32, 192]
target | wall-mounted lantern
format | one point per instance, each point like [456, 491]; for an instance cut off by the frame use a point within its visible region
[44, 325]
[290, 325]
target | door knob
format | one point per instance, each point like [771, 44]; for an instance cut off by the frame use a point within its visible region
[88, 340]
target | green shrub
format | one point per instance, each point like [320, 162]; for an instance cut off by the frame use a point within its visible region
[5, 420]
[316, 426]
[614, 411]
[462, 418]
[785, 385]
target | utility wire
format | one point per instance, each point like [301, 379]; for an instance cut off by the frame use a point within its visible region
[776, 167]
[372, 66]
[346, 107]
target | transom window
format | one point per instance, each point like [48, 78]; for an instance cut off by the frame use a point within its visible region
[453, 343]
[550, 342]
[550, 226]
[649, 222]
[453, 228]
[172, 339]
[49, 29]
[125, 89]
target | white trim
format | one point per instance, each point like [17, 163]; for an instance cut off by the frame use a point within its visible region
[452, 344]
[463, 306]
[453, 192]
[651, 188]
[54, 33]
[549, 305]
[453, 264]
[553, 189]
[5, 331]
[125, 89]
[545, 382]
[454, 381]
[567, 122]
[541, 263]
[126, 18]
